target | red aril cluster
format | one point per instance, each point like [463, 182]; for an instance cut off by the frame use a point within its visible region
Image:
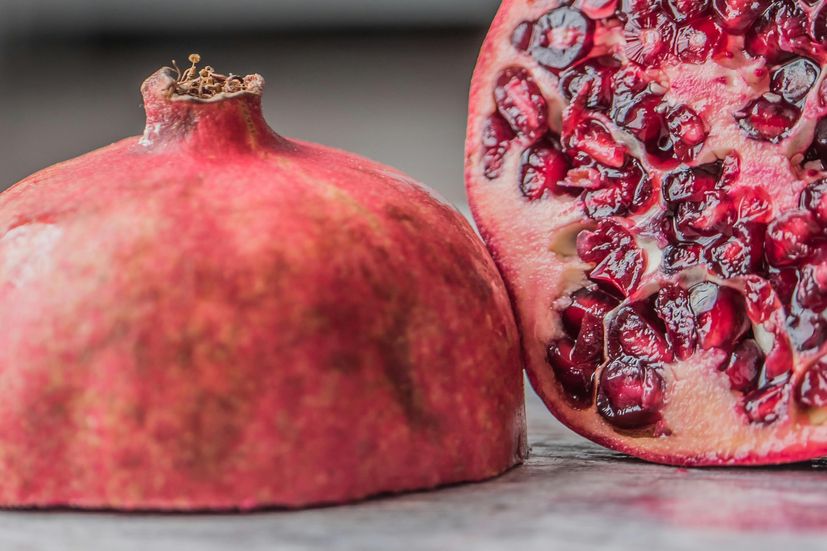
[685, 146]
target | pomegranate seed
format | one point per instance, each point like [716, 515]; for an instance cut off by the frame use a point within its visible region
[588, 346]
[640, 7]
[605, 202]
[738, 255]
[814, 199]
[780, 31]
[496, 139]
[812, 392]
[744, 366]
[543, 166]
[521, 37]
[687, 184]
[592, 139]
[720, 315]
[767, 405]
[784, 283]
[687, 131]
[737, 15]
[561, 37]
[753, 205]
[622, 190]
[632, 334]
[681, 256]
[807, 329]
[650, 39]
[794, 80]
[643, 117]
[577, 380]
[811, 291]
[586, 302]
[730, 169]
[761, 298]
[768, 118]
[590, 81]
[630, 395]
[779, 363]
[820, 25]
[597, 9]
[672, 307]
[698, 40]
[715, 213]
[788, 238]
[521, 103]
[620, 271]
[818, 149]
[682, 10]
[595, 246]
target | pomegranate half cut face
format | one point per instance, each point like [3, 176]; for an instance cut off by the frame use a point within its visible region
[651, 176]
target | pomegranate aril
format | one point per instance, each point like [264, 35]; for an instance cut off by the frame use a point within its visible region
[812, 392]
[520, 101]
[642, 116]
[744, 366]
[811, 292]
[710, 216]
[738, 255]
[672, 307]
[496, 139]
[588, 347]
[650, 39]
[594, 246]
[621, 271]
[577, 380]
[591, 138]
[767, 405]
[784, 282]
[591, 81]
[687, 184]
[788, 241]
[753, 205]
[820, 25]
[561, 37]
[630, 394]
[597, 9]
[814, 199]
[730, 169]
[818, 149]
[687, 132]
[681, 256]
[633, 332]
[737, 15]
[779, 362]
[521, 37]
[543, 166]
[761, 298]
[720, 313]
[794, 80]
[779, 32]
[807, 329]
[586, 302]
[683, 10]
[698, 40]
[768, 118]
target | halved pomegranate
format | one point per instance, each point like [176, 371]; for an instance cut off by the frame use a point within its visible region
[663, 221]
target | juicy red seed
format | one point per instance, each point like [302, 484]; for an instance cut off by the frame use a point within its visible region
[597, 9]
[812, 392]
[682, 256]
[761, 298]
[591, 81]
[687, 184]
[561, 37]
[577, 380]
[521, 103]
[730, 169]
[720, 314]
[496, 139]
[592, 139]
[650, 39]
[620, 190]
[753, 205]
[740, 254]
[814, 199]
[589, 344]
[698, 40]
[820, 25]
[737, 15]
[779, 363]
[818, 149]
[780, 31]
[630, 395]
[643, 117]
[521, 37]
[632, 334]
[794, 80]
[543, 166]
[744, 366]
[687, 131]
[605, 202]
[789, 237]
[811, 291]
[807, 329]
[621, 271]
[672, 307]
[784, 283]
[640, 7]
[682, 10]
[767, 405]
[768, 118]
[710, 216]
[586, 302]
[595, 246]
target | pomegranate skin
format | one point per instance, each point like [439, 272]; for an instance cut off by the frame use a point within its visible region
[214, 317]
[705, 421]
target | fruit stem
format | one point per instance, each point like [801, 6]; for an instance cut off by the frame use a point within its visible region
[205, 83]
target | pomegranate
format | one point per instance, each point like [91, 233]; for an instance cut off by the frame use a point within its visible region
[212, 316]
[664, 232]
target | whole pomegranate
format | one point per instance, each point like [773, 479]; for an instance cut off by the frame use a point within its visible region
[215, 317]
[651, 176]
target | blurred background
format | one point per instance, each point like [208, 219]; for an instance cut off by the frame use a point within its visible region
[384, 78]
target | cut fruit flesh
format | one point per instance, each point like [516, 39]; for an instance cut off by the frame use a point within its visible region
[692, 171]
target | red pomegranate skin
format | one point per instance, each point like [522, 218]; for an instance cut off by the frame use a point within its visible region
[214, 317]
[703, 419]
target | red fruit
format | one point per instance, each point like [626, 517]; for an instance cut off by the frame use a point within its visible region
[576, 379]
[521, 103]
[701, 214]
[496, 139]
[812, 392]
[543, 167]
[561, 37]
[212, 316]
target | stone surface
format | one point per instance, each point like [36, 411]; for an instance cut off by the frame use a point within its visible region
[571, 495]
